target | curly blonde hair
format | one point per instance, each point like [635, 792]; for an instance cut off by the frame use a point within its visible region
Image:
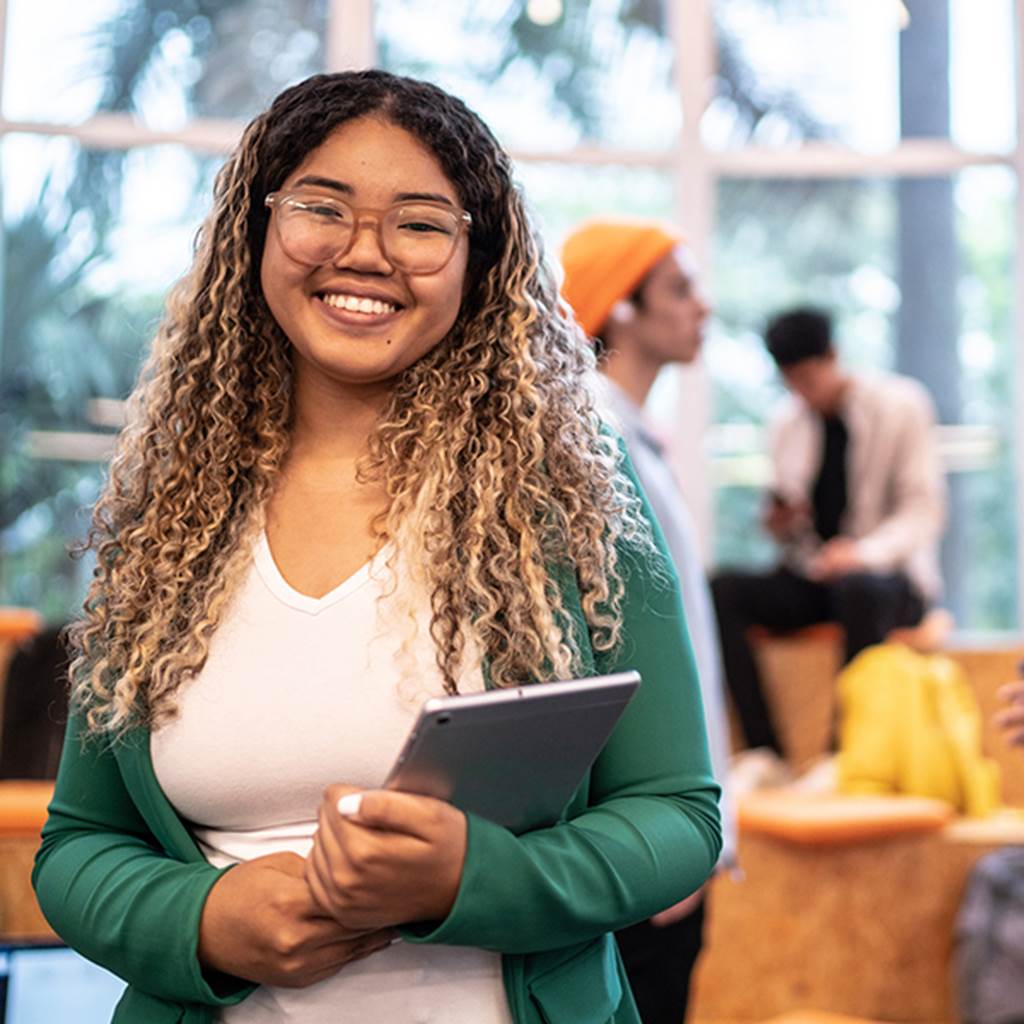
[490, 444]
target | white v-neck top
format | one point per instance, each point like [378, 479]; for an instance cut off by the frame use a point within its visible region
[297, 693]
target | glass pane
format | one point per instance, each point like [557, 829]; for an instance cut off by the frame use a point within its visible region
[85, 271]
[918, 274]
[950, 69]
[544, 74]
[165, 62]
[562, 195]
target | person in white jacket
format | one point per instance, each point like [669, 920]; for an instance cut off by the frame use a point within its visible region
[634, 289]
[857, 505]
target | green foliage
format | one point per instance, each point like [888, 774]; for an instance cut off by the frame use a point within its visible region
[63, 344]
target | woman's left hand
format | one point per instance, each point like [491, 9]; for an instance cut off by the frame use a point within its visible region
[397, 858]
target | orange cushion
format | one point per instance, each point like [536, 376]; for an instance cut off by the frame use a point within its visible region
[820, 632]
[817, 1017]
[23, 804]
[822, 820]
[17, 624]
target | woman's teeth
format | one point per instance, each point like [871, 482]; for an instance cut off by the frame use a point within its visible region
[356, 304]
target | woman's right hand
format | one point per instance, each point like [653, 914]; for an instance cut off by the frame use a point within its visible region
[260, 923]
[1011, 718]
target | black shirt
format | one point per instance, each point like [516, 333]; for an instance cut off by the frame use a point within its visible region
[829, 494]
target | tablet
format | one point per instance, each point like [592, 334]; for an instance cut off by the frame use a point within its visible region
[513, 756]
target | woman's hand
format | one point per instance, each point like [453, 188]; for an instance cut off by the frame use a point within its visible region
[260, 923]
[393, 858]
[1011, 718]
[684, 908]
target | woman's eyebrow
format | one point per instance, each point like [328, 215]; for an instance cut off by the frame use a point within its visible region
[423, 197]
[331, 183]
[345, 189]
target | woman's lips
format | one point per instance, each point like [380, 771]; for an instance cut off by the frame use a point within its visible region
[359, 302]
[356, 318]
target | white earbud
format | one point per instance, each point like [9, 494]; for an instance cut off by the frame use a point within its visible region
[623, 311]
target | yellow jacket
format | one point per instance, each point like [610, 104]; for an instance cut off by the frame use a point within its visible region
[910, 723]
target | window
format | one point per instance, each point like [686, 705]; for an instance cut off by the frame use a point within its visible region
[823, 150]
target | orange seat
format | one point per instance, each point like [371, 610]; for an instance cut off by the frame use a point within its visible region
[17, 624]
[23, 804]
[821, 632]
[817, 1017]
[816, 819]
[930, 634]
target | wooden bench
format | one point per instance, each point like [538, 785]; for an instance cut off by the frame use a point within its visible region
[859, 924]
[838, 910]
[22, 814]
[22, 809]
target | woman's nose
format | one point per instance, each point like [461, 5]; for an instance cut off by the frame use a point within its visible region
[366, 251]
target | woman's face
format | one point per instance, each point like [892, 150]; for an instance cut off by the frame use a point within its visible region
[368, 163]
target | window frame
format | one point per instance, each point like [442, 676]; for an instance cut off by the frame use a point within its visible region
[696, 171]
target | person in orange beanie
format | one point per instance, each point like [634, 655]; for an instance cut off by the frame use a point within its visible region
[633, 288]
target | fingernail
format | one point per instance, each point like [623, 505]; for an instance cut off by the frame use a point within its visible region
[348, 805]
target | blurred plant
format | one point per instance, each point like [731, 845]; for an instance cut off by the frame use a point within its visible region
[57, 352]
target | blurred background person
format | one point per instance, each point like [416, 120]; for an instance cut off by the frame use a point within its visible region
[856, 505]
[634, 288]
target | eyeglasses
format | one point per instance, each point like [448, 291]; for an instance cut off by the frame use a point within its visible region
[417, 237]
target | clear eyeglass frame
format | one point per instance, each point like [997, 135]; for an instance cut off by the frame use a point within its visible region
[281, 200]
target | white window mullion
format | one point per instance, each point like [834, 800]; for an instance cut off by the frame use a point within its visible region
[3, 50]
[911, 158]
[1018, 418]
[123, 131]
[692, 31]
[351, 43]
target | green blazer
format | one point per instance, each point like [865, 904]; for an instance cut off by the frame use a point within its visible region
[121, 879]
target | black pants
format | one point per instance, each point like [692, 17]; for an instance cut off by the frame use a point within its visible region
[659, 962]
[866, 605]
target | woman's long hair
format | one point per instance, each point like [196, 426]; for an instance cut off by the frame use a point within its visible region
[489, 449]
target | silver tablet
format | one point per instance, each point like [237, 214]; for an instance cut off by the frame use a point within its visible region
[514, 756]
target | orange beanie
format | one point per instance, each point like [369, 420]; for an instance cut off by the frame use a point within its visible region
[605, 261]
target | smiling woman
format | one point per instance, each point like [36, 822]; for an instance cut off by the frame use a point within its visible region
[364, 468]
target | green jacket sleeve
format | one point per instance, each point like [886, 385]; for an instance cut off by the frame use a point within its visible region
[650, 833]
[110, 892]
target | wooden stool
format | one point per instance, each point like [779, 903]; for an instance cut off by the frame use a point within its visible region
[798, 670]
[16, 626]
[846, 905]
[22, 814]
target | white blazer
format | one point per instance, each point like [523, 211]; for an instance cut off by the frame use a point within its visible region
[896, 505]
